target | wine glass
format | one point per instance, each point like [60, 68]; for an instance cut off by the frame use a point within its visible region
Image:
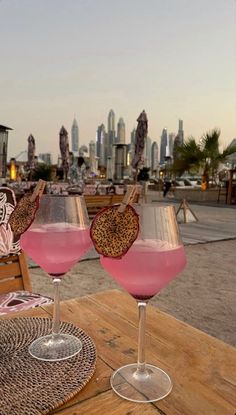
[56, 240]
[155, 258]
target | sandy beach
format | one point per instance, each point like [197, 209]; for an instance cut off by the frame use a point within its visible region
[203, 295]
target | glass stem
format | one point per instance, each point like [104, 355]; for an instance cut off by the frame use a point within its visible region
[56, 308]
[141, 337]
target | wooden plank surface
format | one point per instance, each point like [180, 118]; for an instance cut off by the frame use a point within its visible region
[11, 284]
[10, 270]
[203, 369]
[14, 274]
[25, 272]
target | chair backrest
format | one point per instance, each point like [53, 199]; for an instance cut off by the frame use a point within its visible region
[14, 274]
[95, 203]
[119, 198]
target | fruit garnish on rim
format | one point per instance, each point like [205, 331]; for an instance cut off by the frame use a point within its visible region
[25, 210]
[115, 228]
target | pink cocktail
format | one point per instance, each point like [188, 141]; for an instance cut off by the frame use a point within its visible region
[147, 267]
[56, 240]
[154, 259]
[56, 247]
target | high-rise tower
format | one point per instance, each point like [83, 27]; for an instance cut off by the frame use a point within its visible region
[121, 131]
[111, 121]
[132, 145]
[100, 145]
[163, 146]
[171, 144]
[120, 161]
[180, 134]
[3, 149]
[111, 132]
[92, 156]
[179, 139]
[147, 152]
[154, 158]
[75, 136]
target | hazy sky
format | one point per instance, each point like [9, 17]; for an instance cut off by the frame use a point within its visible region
[173, 58]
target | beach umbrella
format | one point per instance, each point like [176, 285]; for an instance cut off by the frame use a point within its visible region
[31, 151]
[140, 135]
[64, 148]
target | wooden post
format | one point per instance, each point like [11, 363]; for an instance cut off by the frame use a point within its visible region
[229, 193]
[184, 206]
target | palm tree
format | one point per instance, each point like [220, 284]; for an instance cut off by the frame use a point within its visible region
[187, 157]
[204, 157]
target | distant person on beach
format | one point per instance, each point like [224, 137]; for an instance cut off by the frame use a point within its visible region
[204, 183]
[166, 187]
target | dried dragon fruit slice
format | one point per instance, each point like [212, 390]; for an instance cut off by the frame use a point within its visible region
[24, 213]
[113, 232]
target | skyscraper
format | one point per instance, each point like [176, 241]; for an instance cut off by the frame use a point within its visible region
[147, 152]
[111, 121]
[154, 158]
[120, 161]
[75, 136]
[111, 134]
[132, 145]
[171, 144]
[163, 146]
[121, 131]
[132, 138]
[100, 145]
[92, 156]
[3, 149]
[179, 139]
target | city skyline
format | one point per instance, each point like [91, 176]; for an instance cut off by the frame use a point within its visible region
[170, 59]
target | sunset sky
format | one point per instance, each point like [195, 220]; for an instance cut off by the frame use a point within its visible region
[60, 58]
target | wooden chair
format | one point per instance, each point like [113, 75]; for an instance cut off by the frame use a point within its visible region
[118, 199]
[14, 274]
[95, 203]
[15, 285]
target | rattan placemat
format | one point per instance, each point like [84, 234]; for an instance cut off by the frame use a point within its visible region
[32, 387]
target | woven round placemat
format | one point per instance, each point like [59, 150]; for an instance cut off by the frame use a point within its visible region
[30, 386]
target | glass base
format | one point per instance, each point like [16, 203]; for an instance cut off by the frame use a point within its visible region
[149, 386]
[55, 347]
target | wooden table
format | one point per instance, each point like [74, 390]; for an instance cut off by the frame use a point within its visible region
[202, 368]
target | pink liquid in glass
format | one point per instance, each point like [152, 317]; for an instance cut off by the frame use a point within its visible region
[147, 267]
[56, 247]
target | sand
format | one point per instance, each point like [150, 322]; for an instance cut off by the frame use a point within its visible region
[203, 295]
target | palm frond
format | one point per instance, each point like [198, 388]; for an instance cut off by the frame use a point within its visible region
[188, 157]
[190, 151]
[210, 141]
[228, 151]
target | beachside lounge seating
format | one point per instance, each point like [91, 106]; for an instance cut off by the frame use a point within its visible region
[15, 285]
